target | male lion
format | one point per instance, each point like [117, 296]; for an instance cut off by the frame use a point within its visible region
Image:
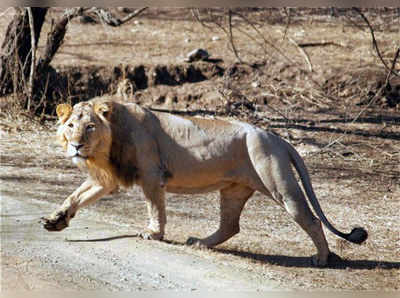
[124, 144]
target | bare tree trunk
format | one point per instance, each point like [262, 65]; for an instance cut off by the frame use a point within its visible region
[16, 55]
[18, 64]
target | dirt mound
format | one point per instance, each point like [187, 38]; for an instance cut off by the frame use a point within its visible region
[359, 86]
[262, 84]
[77, 83]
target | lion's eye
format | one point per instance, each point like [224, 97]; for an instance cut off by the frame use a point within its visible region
[71, 125]
[90, 127]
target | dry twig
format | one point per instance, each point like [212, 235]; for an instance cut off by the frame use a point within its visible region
[318, 44]
[110, 20]
[263, 38]
[374, 98]
[198, 19]
[33, 58]
[231, 36]
[393, 65]
[287, 12]
[374, 42]
[305, 55]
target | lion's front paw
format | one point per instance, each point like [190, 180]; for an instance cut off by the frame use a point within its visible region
[55, 223]
[150, 235]
[196, 242]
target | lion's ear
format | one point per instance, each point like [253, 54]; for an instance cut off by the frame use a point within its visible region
[63, 111]
[104, 109]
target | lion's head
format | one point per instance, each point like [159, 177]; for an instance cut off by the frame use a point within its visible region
[89, 137]
[85, 132]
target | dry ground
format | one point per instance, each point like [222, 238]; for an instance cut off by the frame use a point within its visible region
[352, 153]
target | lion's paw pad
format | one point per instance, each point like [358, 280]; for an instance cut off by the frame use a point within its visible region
[54, 224]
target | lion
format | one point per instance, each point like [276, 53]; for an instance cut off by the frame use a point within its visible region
[122, 144]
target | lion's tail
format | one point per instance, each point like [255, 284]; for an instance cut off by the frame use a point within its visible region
[357, 235]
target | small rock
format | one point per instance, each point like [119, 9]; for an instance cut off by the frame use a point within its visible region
[215, 38]
[255, 84]
[187, 40]
[196, 55]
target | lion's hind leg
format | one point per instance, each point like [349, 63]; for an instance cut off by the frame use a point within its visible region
[298, 208]
[274, 169]
[232, 201]
[287, 192]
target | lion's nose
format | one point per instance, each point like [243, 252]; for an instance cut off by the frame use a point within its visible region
[77, 146]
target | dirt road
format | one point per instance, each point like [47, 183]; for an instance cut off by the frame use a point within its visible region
[109, 258]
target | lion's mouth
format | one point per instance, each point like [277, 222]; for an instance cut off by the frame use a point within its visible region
[77, 155]
[79, 160]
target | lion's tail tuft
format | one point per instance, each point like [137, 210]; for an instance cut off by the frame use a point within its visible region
[358, 235]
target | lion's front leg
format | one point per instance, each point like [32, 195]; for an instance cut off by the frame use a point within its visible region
[155, 201]
[87, 193]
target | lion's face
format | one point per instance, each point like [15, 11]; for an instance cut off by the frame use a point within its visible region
[84, 131]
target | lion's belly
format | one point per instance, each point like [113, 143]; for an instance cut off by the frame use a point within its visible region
[198, 176]
[197, 189]
[209, 175]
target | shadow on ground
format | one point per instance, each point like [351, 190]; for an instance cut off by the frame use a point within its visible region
[335, 262]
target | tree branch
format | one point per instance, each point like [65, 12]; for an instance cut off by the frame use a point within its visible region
[231, 36]
[197, 17]
[55, 37]
[33, 58]
[106, 16]
[374, 42]
[304, 53]
[393, 65]
[262, 37]
[287, 12]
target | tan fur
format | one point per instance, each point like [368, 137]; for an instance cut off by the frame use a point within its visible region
[124, 144]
